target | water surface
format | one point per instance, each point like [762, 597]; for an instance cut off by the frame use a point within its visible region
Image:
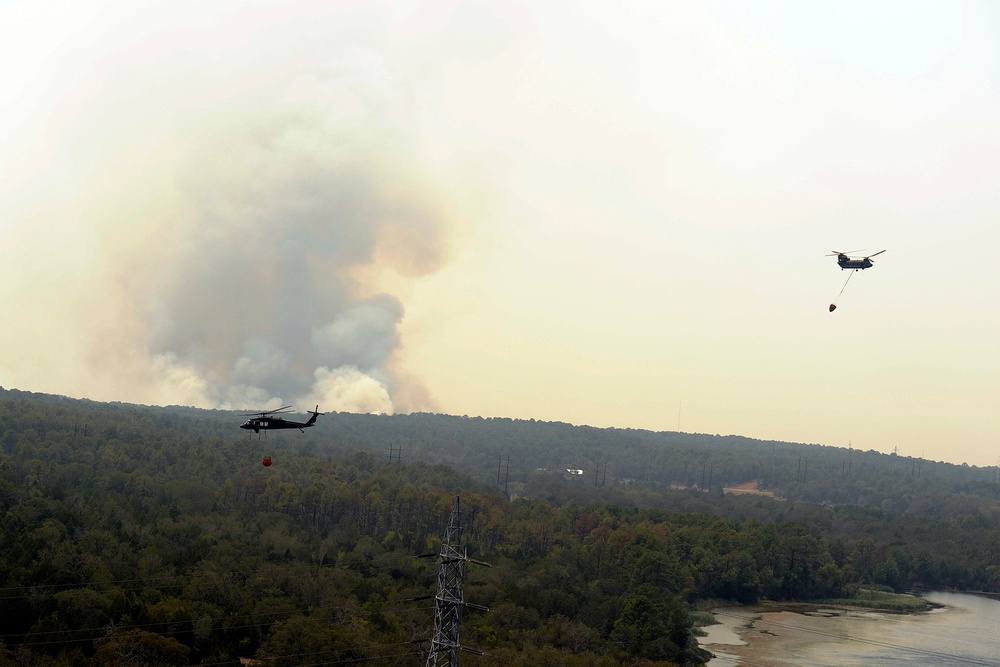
[964, 632]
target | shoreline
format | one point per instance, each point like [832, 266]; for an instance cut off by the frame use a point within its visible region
[775, 634]
[957, 629]
[769, 634]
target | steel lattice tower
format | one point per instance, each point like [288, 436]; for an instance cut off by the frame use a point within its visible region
[448, 602]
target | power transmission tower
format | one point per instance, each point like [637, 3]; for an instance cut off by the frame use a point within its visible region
[599, 481]
[448, 602]
[506, 474]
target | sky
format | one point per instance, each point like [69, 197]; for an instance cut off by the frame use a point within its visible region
[612, 214]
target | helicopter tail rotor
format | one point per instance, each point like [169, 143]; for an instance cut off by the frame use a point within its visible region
[315, 413]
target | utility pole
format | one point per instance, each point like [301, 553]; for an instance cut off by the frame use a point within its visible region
[449, 600]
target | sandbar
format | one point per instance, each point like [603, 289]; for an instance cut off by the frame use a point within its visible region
[782, 638]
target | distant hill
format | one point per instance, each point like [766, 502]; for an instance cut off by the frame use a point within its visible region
[130, 529]
[511, 452]
[814, 473]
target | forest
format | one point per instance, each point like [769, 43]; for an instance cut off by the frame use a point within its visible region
[137, 535]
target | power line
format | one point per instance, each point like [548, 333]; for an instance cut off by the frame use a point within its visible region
[186, 579]
[102, 630]
[344, 661]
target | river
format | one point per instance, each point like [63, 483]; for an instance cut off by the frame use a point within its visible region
[964, 631]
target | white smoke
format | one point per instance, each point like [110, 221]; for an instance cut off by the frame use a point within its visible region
[350, 390]
[261, 297]
[213, 245]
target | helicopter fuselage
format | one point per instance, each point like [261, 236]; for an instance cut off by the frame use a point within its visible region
[269, 421]
[846, 262]
[258, 424]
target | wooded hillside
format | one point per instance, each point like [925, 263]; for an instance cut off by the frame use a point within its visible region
[137, 535]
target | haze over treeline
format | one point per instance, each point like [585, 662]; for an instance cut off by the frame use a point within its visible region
[567, 211]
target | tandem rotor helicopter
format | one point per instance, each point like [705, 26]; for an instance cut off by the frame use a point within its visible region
[268, 420]
[845, 260]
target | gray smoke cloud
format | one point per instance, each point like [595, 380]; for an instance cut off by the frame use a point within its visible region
[261, 302]
[219, 244]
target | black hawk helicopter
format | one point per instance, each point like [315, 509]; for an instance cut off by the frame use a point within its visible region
[847, 261]
[268, 421]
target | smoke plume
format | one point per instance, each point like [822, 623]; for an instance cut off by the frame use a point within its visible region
[214, 246]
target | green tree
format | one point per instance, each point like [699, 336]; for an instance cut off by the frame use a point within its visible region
[862, 560]
[652, 627]
[138, 648]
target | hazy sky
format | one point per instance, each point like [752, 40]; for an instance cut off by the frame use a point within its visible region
[612, 214]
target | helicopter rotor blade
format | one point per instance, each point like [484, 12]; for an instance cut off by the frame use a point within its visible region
[263, 413]
[835, 253]
[878, 253]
